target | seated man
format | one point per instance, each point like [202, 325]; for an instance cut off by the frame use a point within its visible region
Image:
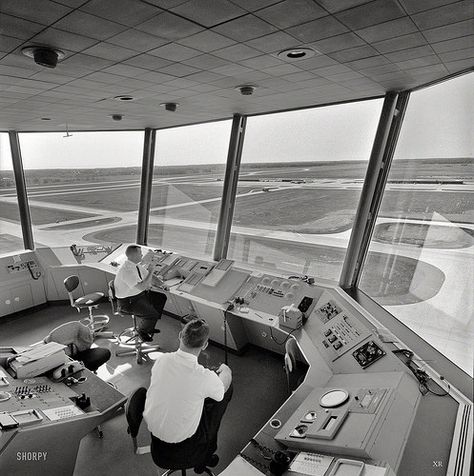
[78, 339]
[132, 289]
[186, 402]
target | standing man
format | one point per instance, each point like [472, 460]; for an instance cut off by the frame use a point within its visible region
[186, 402]
[133, 284]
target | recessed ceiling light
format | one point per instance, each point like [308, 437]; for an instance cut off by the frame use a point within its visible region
[295, 54]
[124, 98]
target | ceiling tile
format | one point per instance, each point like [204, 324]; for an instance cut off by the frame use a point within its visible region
[86, 62]
[390, 29]
[166, 4]
[206, 62]
[457, 55]
[174, 52]
[44, 11]
[334, 6]
[353, 54]
[318, 29]
[232, 70]
[89, 25]
[282, 70]
[339, 42]
[137, 40]
[370, 14]
[414, 6]
[400, 43]
[455, 44]
[245, 28]
[237, 52]
[169, 26]
[368, 62]
[418, 62]
[208, 12]
[126, 12]
[410, 53]
[63, 39]
[316, 62]
[204, 77]
[299, 76]
[260, 62]
[179, 69]
[110, 52]
[17, 27]
[207, 41]
[291, 12]
[8, 43]
[274, 42]
[252, 5]
[445, 15]
[148, 62]
[448, 32]
[125, 70]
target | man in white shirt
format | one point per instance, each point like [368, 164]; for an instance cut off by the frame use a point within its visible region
[185, 403]
[133, 284]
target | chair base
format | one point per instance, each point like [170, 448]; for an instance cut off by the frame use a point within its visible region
[96, 323]
[133, 345]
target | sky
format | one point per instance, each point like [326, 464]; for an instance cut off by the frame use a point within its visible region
[438, 123]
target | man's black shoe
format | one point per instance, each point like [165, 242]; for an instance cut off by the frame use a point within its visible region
[213, 461]
[156, 331]
[210, 463]
[145, 336]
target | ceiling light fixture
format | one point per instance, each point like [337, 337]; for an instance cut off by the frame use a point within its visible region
[170, 106]
[246, 89]
[44, 55]
[295, 54]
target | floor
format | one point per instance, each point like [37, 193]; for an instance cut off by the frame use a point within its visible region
[256, 373]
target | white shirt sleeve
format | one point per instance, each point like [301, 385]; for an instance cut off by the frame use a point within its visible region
[213, 386]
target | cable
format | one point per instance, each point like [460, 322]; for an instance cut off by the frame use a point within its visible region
[287, 337]
[420, 374]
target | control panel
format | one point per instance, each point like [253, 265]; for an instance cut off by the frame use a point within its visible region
[338, 331]
[362, 415]
[269, 294]
[37, 393]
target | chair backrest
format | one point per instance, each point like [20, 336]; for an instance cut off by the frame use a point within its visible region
[71, 283]
[134, 412]
[76, 336]
[291, 352]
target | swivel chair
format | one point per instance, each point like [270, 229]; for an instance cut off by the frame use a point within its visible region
[134, 414]
[295, 370]
[96, 323]
[129, 339]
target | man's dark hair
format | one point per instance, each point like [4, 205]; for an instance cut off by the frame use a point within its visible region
[195, 333]
[130, 249]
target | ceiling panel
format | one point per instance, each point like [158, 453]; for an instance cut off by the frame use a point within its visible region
[196, 52]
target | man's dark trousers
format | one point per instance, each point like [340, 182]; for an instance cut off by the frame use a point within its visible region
[147, 308]
[197, 449]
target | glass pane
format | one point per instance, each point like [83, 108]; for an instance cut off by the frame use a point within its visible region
[83, 189]
[187, 187]
[300, 181]
[420, 265]
[11, 237]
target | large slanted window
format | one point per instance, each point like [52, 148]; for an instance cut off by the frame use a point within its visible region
[10, 228]
[187, 187]
[300, 180]
[420, 265]
[83, 188]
